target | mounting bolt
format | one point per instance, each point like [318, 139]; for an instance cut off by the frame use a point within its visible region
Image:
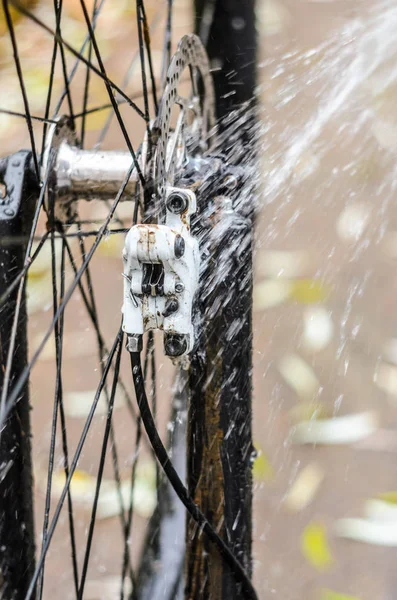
[177, 202]
[175, 344]
[230, 182]
[179, 287]
[179, 246]
[171, 306]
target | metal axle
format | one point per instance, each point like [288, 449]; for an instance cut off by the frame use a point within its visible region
[93, 174]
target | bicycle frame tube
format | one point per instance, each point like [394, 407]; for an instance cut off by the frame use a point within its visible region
[219, 442]
[17, 545]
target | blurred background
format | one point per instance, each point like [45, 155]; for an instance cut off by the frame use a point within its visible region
[325, 330]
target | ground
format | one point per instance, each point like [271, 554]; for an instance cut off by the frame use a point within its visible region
[324, 321]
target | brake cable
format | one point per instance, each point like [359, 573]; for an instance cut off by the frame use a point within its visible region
[178, 486]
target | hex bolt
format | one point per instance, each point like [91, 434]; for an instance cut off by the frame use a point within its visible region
[230, 182]
[9, 212]
[179, 287]
[177, 202]
[175, 344]
[171, 306]
[179, 246]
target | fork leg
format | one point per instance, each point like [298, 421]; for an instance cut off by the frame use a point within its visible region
[219, 441]
[17, 543]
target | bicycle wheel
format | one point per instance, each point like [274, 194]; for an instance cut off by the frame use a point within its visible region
[91, 461]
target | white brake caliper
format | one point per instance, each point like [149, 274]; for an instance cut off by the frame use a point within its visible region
[161, 271]
[161, 261]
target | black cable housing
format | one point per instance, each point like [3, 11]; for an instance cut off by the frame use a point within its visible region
[180, 489]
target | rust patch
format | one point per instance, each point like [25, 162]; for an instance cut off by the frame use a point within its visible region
[209, 493]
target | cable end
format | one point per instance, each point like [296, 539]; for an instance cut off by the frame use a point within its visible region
[134, 343]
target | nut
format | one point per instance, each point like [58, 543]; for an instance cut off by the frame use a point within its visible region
[175, 344]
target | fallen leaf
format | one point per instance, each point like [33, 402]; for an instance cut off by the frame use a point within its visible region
[262, 469]
[106, 588]
[306, 165]
[318, 328]
[390, 350]
[36, 80]
[386, 378]
[382, 440]
[390, 497]
[277, 263]
[314, 546]
[331, 595]
[273, 17]
[299, 375]
[378, 533]
[270, 293]
[16, 15]
[385, 134]
[83, 487]
[96, 120]
[309, 291]
[338, 430]
[39, 294]
[42, 264]
[78, 404]
[75, 344]
[382, 509]
[307, 411]
[113, 13]
[112, 246]
[304, 488]
[353, 221]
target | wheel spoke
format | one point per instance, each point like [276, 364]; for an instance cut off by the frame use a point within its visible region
[87, 81]
[13, 396]
[125, 83]
[100, 471]
[73, 466]
[78, 55]
[18, 67]
[74, 275]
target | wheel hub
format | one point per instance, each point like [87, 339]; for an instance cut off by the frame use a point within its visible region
[179, 132]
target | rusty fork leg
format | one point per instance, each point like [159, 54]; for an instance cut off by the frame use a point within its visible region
[219, 441]
[17, 543]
